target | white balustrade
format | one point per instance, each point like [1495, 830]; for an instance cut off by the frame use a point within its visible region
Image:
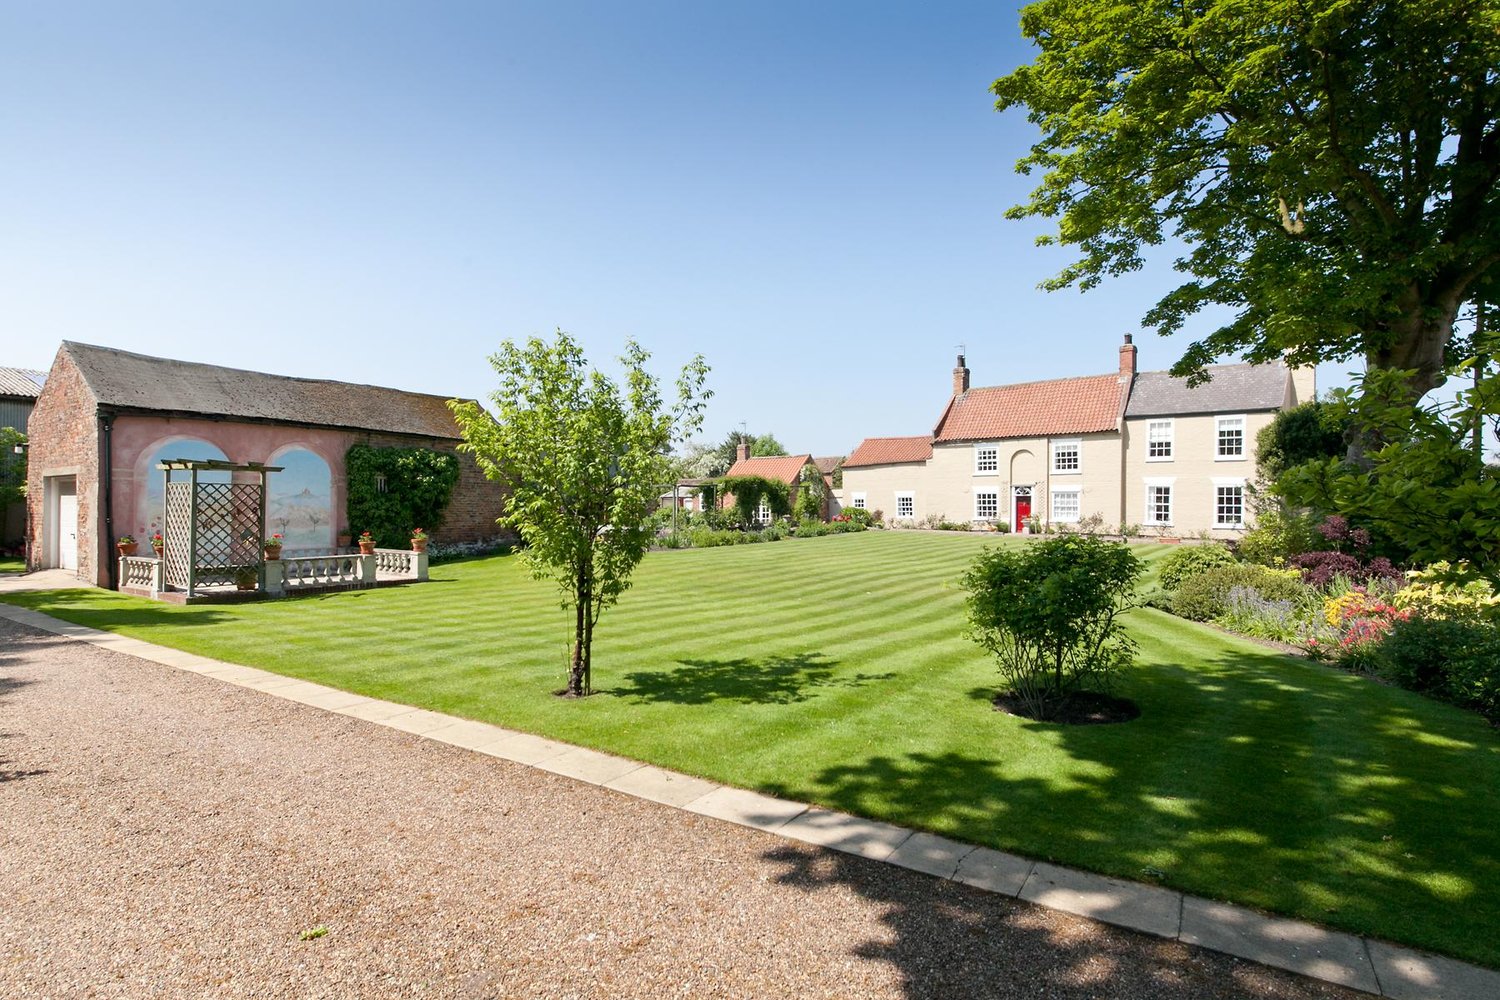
[306, 572]
[140, 572]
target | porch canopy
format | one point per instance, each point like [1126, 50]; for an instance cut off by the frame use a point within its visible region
[213, 533]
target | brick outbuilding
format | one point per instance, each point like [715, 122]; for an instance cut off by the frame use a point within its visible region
[106, 417]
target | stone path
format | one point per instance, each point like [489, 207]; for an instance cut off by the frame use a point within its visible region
[1371, 966]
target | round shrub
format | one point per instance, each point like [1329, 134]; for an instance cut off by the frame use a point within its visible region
[1191, 560]
[1205, 596]
[1454, 659]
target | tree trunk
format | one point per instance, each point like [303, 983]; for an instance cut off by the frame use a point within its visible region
[1423, 333]
[580, 606]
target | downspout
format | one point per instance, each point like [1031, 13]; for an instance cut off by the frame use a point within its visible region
[106, 430]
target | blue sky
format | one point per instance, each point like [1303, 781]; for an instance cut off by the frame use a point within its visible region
[810, 195]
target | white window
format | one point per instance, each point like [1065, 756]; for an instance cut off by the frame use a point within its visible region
[906, 505]
[763, 513]
[1158, 501]
[857, 501]
[1229, 503]
[986, 505]
[1231, 438]
[1159, 441]
[1065, 506]
[986, 458]
[1067, 456]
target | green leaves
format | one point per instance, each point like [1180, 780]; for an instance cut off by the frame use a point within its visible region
[1328, 167]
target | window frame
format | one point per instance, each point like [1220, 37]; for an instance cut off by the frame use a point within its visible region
[1219, 421]
[1229, 484]
[1149, 512]
[1076, 492]
[1077, 446]
[858, 501]
[911, 498]
[1170, 439]
[979, 450]
[994, 495]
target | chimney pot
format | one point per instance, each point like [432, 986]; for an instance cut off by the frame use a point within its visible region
[1127, 358]
[960, 377]
[742, 451]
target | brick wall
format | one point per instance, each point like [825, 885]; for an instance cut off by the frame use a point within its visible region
[64, 436]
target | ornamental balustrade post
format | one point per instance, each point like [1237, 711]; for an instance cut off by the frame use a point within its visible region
[120, 575]
[419, 560]
[367, 568]
[158, 576]
[275, 571]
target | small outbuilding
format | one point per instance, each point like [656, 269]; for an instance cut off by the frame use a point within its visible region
[106, 419]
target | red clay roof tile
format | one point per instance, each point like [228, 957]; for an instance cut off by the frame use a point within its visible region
[1081, 405]
[890, 451]
[782, 468]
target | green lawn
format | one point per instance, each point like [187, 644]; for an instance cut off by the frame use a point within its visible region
[833, 670]
[12, 564]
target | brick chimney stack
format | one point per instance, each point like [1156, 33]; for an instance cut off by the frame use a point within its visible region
[960, 377]
[742, 451]
[1127, 359]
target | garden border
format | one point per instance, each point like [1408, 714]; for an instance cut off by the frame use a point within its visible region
[1373, 966]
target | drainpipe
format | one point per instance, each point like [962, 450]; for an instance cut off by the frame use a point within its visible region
[106, 430]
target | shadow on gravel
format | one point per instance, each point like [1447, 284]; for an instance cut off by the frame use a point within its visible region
[947, 940]
[767, 680]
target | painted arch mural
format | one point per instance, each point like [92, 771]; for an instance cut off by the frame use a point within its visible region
[299, 501]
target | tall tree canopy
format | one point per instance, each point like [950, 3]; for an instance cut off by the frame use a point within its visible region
[1331, 165]
[583, 460]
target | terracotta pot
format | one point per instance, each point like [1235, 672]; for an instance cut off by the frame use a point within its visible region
[158, 549]
[126, 548]
[344, 540]
[367, 548]
[273, 552]
[419, 545]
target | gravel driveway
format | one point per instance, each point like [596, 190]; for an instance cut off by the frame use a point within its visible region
[163, 834]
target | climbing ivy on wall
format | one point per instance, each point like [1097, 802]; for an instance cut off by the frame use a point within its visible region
[749, 491]
[418, 483]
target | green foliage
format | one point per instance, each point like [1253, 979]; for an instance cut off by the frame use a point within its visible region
[1423, 492]
[1049, 612]
[1205, 596]
[812, 493]
[12, 467]
[418, 485]
[717, 459]
[1307, 432]
[812, 528]
[1330, 167]
[1444, 590]
[749, 491]
[1453, 659]
[1189, 560]
[1280, 533]
[583, 460]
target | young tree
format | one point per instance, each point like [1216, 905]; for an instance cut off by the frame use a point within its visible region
[1330, 165]
[583, 460]
[725, 451]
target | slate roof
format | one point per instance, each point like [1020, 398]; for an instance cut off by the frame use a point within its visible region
[1234, 389]
[781, 468]
[21, 382]
[140, 382]
[890, 451]
[1080, 405]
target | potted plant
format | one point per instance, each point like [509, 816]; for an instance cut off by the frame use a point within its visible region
[418, 540]
[246, 578]
[273, 546]
[158, 543]
[345, 538]
[366, 543]
[126, 544]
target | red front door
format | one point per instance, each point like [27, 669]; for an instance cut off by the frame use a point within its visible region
[1023, 511]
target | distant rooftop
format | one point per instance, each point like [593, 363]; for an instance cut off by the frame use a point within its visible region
[140, 382]
[1232, 389]
[21, 382]
[890, 451]
[1081, 405]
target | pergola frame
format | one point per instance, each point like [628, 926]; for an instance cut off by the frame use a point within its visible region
[193, 466]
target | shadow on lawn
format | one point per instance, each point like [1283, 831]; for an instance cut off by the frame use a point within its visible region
[766, 680]
[947, 940]
[83, 607]
[1279, 783]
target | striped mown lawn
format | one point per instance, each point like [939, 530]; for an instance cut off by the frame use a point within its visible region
[834, 670]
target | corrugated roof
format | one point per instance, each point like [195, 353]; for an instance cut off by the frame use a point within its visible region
[1081, 405]
[138, 381]
[782, 468]
[1232, 389]
[890, 451]
[21, 382]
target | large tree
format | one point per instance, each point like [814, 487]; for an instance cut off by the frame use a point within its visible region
[583, 460]
[1329, 165]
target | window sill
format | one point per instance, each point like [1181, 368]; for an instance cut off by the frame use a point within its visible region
[1167, 458]
[1229, 458]
[1067, 472]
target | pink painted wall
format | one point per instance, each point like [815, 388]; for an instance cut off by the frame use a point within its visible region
[137, 439]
